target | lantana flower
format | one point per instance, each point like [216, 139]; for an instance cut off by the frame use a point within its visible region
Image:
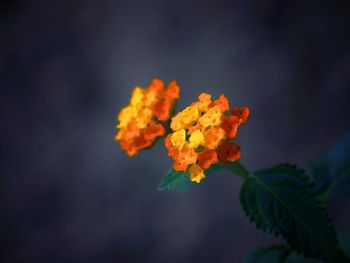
[140, 121]
[202, 135]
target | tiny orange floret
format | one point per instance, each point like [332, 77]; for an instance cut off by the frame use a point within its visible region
[173, 90]
[156, 85]
[228, 151]
[230, 125]
[185, 157]
[214, 137]
[241, 113]
[160, 110]
[207, 158]
[222, 102]
[153, 131]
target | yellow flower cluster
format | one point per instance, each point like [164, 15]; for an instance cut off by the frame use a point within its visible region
[201, 134]
[139, 122]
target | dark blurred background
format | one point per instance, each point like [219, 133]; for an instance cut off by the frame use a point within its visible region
[69, 194]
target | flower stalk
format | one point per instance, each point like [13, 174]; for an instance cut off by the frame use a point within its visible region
[238, 169]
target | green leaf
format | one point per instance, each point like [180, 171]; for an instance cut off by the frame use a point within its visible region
[283, 254]
[268, 254]
[331, 171]
[276, 254]
[176, 180]
[281, 200]
[344, 240]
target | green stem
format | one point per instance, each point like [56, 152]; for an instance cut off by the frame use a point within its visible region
[333, 183]
[238, 169]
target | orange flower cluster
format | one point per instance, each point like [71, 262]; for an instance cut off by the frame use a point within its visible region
[201, 135]
[139, 122]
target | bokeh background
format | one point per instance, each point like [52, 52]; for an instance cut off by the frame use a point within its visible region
[69, 194]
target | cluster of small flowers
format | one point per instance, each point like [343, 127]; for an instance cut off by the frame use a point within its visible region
[139, 122]
[201, 135]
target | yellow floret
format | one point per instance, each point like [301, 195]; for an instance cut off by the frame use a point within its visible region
[196, 139]
[176, 122]
[178, 138]
[125, 116]
[136, 97]
[189, 115]
[144, 115]
[211, 118]
[196, 173]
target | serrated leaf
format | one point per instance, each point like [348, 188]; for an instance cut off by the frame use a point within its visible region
[283, 254]
[344, 241]
[276, 254]
[281, 200]
[268, 254]
[331, 171]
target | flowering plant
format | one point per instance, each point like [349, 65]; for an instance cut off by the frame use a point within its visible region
[201, 134]
[281, 200]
